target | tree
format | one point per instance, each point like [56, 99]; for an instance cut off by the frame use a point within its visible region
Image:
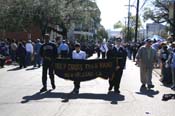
[119, 24]
[19, 15]
[102, 33]
[159, 13]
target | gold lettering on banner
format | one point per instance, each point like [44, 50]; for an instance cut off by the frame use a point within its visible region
[105, 65]
[77, 74]
[75, 67]
[87, 74]
[96, 66]
[90, 66]
[66, 75]
[60, 66]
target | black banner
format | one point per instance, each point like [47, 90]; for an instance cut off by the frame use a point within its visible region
[84, 70]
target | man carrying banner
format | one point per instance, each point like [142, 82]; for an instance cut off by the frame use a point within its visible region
[77, 54]
[120, 54]
[48, 52]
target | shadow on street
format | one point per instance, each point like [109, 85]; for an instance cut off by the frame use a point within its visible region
[14, 69]
[148, 92]
[112, 97]
[33, 68]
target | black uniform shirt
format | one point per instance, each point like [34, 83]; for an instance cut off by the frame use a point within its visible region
[121, 54]
[48, 51]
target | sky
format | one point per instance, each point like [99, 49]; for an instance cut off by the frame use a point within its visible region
[113, 11]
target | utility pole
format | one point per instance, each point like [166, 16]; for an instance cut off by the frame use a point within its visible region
[125, 32]
[129, 21]
[137, 17]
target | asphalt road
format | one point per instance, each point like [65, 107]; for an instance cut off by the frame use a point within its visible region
[19, 96]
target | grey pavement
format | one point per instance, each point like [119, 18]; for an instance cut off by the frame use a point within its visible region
[19, 96]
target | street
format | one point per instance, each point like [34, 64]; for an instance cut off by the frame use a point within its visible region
[20, 96]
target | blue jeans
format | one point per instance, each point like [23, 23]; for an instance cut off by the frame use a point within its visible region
[28, 58]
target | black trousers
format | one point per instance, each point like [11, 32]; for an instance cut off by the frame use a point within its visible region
[103, 55]
[115, 82]
[76, 84]
[2, 62]
[64, 54]
[22, 62]
[48, 66]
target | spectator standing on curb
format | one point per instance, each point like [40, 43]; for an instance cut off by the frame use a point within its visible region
[13, 48]
[37, 57]
[21, 53]
[63, 49]
[165, 67]
[173, 65]
[29, 52]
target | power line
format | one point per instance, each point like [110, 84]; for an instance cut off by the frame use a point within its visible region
[145, 1]
[134, 2]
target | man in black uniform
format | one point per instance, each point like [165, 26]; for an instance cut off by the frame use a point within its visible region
[48, 52]
[120, 53]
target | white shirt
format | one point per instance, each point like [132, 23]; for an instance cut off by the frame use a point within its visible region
[104, 47]
[29, 47]
[80, 55]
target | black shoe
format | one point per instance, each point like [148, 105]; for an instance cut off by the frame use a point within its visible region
[53, 86]
[43, 89]
[110, 88]
[173, 87]
[150, 86]
[143, 86]
[116, 91]
[75, 91]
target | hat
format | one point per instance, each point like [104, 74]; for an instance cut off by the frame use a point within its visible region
[148, 40]
[173, 43]
[38, 40]
[77, 45]
[47, 35]
[30, 41]
[119, 40]
[164, 43]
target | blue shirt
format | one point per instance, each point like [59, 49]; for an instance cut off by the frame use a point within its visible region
[63, 47]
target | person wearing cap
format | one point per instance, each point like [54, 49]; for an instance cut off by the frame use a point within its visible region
[165, 64]
[146, 56]
[63, 49]
[21, 54]
[171, 60]
[48, 52]
[81, 55]
[29, 52]
[120, 54]
[37, 57]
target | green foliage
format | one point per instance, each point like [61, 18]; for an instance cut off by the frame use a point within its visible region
[101, 34]
[159, 13]
[118, 25]
[19, 15]
[129, 36]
